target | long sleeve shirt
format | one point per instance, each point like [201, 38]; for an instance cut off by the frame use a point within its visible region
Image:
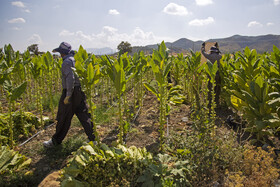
[213, 57]
[69, 80]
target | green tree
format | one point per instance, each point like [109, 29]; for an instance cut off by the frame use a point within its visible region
[33, 48]
[124, 47]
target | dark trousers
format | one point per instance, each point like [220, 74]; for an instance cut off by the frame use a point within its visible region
[65, 114]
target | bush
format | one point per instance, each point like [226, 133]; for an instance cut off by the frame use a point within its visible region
[258, 168]
[25, 124]
[12, 165]
[93, 166]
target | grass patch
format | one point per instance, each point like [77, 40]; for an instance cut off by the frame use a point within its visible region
[75, 122]
[47, 102]
[65, 149]
[104, 115]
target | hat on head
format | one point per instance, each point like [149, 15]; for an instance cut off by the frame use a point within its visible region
[214, 49]
[63, 48]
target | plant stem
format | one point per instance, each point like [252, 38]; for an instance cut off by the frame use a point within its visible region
[161, 117]
[11, 124]
[121, 123]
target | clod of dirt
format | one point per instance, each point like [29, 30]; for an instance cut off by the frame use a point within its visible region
[52, 180]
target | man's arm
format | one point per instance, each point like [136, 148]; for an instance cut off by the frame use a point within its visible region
[69, 77]
[203, 51]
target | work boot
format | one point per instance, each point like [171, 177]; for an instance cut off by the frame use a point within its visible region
[48, 144]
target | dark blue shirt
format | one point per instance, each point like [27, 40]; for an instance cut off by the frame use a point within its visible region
[69, 80]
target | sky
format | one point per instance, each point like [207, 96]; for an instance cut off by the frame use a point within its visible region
[105, 23]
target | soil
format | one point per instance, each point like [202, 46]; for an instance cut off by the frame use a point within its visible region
[46, 163]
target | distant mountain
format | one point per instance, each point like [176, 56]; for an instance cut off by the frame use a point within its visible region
[101, 51]
[260, 43]
[227, 45]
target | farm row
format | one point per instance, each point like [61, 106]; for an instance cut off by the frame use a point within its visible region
[31, 85]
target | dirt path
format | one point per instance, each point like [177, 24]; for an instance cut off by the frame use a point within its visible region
[144, 133]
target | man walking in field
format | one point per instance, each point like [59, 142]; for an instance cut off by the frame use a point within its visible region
[72, 100]
[213, 56]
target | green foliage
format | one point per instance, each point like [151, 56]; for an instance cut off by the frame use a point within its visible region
[208, 152]
[24, 125]
[250, 94]
[124, 47]
[88, 70]
[93, 166]
[11, 161]
[166, 172]
[193, 69]
[119, 72]
[140, 67]
[160, 67]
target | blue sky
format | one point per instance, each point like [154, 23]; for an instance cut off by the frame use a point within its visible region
[105, 23]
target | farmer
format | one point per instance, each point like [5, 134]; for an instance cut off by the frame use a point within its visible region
[213, 56]
[72, 100]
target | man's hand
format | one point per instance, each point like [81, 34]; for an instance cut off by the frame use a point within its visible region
[66, 100]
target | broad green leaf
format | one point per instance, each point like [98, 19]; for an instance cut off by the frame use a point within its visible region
[236, 102]
[7, 85]
[215, 68]
[260, 125]
[151, 88]
[12, 160]
[18, 91]
[167, 69]
[260, 81]
[162, 50]
[90, 72]
[71, 182]
[156, 57]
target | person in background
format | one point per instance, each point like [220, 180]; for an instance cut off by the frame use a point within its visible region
[72, 100]
[213, 56]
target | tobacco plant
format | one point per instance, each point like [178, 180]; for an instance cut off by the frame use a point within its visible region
[211, 70]
[48, 65]
[115, 70]
[13, 92]
[161, 65]
[87, 69]
[251, 94]
[36, 67]
[194, 69]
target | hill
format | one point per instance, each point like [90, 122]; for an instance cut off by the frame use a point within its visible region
[231, 44]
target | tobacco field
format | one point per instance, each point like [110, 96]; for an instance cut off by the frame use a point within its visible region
[151, 116]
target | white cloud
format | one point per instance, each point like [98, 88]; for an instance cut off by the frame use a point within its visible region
[110, 37]
[66, 33]
[113, 12]
[21, 5]
[35, 39]
[175, 9]
[269, 24]
[17, 20]
[109, 30]
[254, 24]
[83, 37]
[202, 22]
[18, 4]
[276, 2]
[203, 2]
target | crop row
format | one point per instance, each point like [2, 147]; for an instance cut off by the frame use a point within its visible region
[250, 83]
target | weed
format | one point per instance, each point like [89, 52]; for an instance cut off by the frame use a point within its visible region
[257, 168]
